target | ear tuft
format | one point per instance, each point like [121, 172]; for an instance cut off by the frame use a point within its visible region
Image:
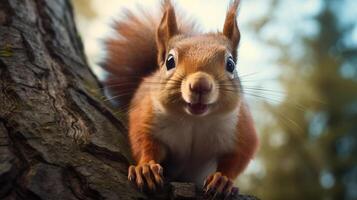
[166, 30]
[230, 29]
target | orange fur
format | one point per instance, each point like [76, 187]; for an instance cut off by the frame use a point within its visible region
[144, 147]
[230, 29]
[138, 58]
[234, 163]
[132, 53]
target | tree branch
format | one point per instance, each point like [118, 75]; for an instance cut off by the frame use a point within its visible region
[57, 139]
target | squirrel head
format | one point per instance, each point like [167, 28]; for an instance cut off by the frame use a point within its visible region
[198, 73]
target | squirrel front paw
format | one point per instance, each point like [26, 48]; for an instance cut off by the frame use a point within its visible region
[219, 185]
[146, 176]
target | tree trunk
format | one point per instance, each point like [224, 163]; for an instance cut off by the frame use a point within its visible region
[57, 140]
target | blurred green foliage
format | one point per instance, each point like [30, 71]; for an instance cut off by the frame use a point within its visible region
[317, 121]
[308, 150]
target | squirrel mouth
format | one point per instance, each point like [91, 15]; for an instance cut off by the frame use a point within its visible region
[197, 108]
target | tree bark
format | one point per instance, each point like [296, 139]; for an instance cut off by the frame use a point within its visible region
[57, 139]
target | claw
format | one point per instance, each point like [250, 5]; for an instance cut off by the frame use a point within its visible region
[214, 195]
[205, 183]
[208, 193]
[131, 178]
[218, 185]
[146, 176]
[234, 191]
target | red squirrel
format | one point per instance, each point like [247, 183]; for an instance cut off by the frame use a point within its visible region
[188, 119]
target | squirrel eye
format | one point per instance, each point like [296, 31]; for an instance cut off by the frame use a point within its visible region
[170, 62]
[230, 65]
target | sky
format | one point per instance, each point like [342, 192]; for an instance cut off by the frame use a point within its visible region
[209, 13]
[257, 60]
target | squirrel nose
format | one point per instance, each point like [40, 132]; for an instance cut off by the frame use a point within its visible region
[201, 86]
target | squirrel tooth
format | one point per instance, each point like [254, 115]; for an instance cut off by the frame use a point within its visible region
[160, 68]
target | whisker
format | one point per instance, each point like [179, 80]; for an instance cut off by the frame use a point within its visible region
[258, 80]
[267, 91]
[117, 96]
[261, 93]
[286, 120]
[263, 97]
[247, 75]
[290, 103]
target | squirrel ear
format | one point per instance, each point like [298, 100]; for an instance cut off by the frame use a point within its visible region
[166, 30]
[230, 29]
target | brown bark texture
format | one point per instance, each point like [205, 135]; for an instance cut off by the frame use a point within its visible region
[57, 139]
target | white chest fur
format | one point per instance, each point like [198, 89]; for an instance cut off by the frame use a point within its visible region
[194, 144]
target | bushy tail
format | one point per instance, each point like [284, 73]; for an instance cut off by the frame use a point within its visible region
[132, 54]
